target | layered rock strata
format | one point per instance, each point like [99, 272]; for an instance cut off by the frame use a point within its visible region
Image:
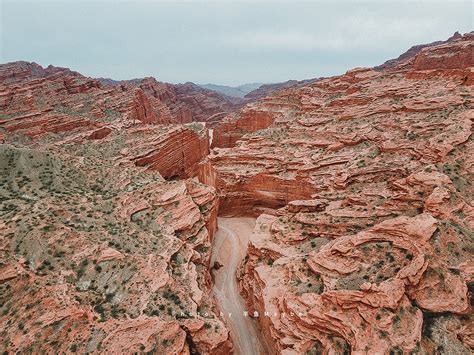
[100, 256]
[363, 188]
[362, 185]
[49, 98]
[105, 242]
[362, 127]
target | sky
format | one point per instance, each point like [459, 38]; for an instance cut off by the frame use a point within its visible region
[222, 42]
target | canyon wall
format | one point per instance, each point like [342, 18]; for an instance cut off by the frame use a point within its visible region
[364, 126]
[61, 106]
[233, 127]
[175, 154]
[59, 94]
[98, 255]
[103, 250]
[374, 255]
[362, 184]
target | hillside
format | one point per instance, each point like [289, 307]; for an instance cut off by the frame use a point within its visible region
[362, 189]
[343, 206]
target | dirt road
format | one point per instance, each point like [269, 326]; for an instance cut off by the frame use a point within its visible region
[230, 245]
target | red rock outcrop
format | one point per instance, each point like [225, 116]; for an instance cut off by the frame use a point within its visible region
[175, 154]
[452, 55]
[142, 110]
[412, 52]
[98, 256]
[374, 254]
[362, 291]
[362, 127]
[53, 95]
[362, 184]
[232, 128]
[99, 252]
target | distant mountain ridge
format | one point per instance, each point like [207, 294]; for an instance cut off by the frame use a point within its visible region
[233, 91]
[413, 51]
[267, 89]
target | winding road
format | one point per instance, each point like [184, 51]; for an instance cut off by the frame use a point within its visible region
[230, 246]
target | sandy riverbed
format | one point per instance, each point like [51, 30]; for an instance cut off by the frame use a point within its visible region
[230, 245]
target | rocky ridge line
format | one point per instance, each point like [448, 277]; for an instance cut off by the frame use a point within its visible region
[362, 184]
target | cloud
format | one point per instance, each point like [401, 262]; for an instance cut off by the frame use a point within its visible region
[222, 41]
[354, 32]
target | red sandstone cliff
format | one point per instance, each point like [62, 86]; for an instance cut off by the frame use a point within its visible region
[362, 185]
[413, 51]
[99, 255]
[371, 249]
[50, 90]
[175, 154]
[102, 250]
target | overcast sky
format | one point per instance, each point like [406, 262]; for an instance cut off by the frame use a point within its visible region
[222, 42]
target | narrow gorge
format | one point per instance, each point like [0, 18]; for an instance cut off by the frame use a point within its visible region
[145, 217]
[229, 250]
[361, 186]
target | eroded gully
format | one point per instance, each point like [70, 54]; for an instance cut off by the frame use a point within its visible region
[229, 248]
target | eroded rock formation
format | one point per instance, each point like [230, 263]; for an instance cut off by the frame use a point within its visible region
[103, 249]
[363, 188]
[59, 95]
[362, 127]
[412, 52]
[98, 255]
[362, 185]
